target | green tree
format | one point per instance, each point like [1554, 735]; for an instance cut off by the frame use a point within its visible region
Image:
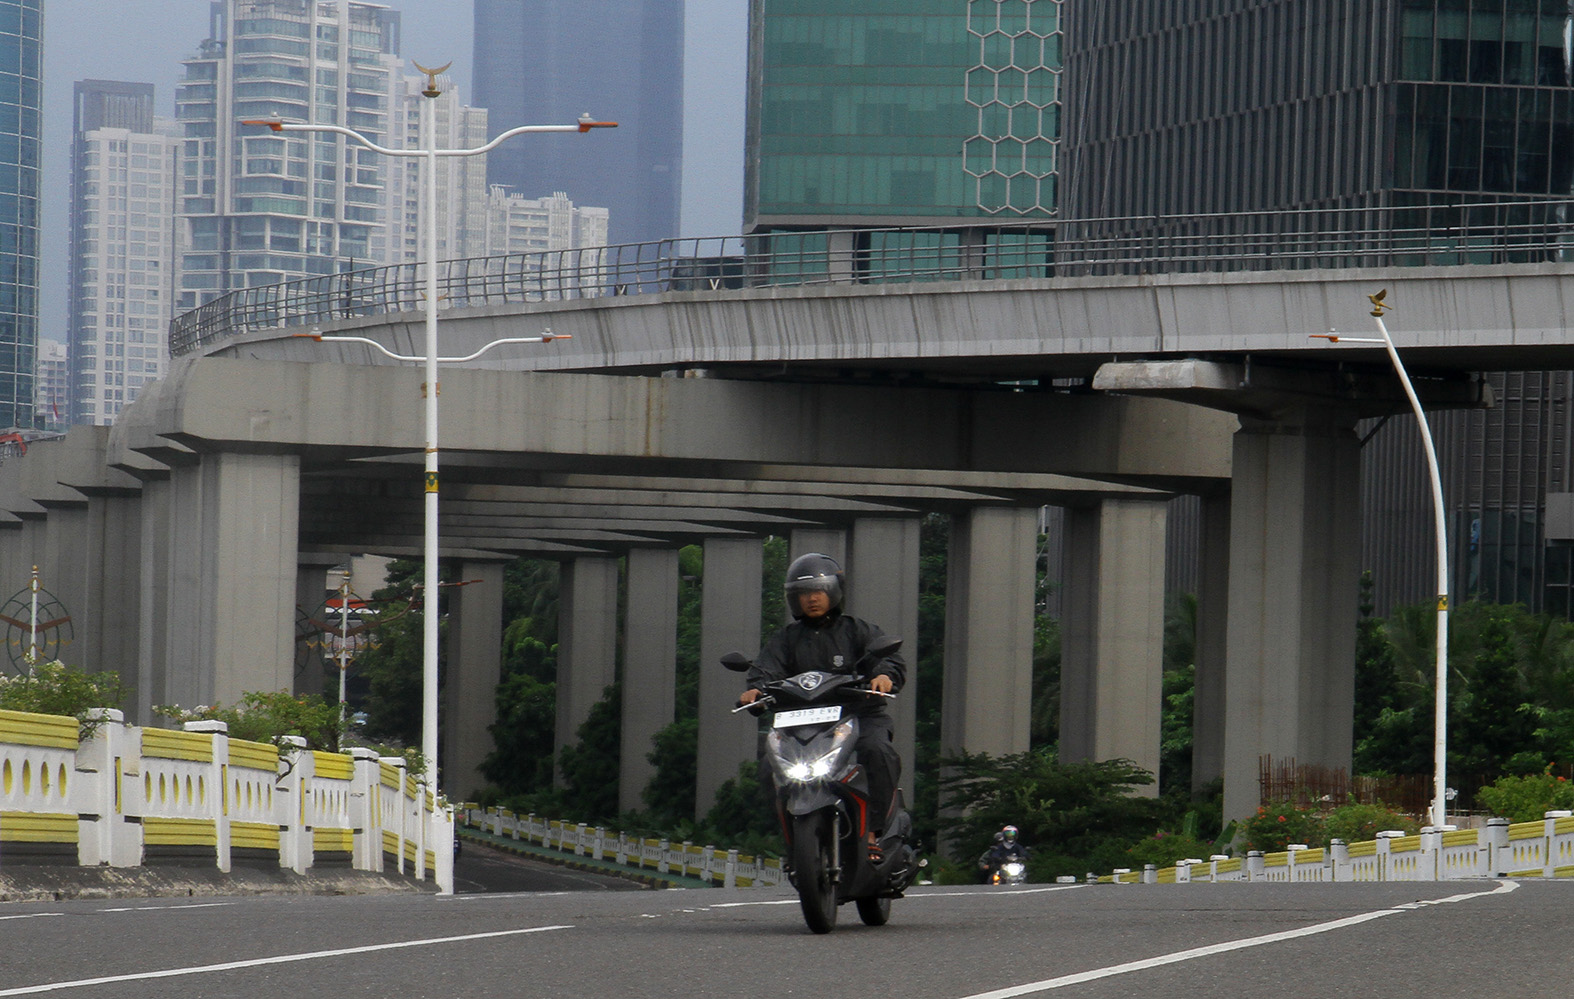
[590, 766]
[522, 736]
[1076, 817]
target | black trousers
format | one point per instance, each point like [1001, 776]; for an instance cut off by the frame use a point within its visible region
[881, 762]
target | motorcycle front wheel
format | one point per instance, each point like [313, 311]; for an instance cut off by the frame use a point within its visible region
[874, 911]
[811, 860]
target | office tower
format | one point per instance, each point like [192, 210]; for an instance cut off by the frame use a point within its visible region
[259, 207]
[122, 248]
[21, 55]
[545, 62]
[1399, 112]
[461, 180]
[888, 114]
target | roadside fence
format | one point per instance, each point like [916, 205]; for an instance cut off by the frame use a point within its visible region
[721, 868]
[127, 796]
[1539, 849]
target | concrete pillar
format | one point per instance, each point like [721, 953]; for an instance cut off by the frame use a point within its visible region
[109, 619]
[825, 540]
[231, 611]
[69, 533]
[153, 591]
[1112, 635]
[883, 588]
[1213, 592]
[1294, 575]
[475, 666]
[650, 665]
[729, 622]
[988, 684]
[587, 641]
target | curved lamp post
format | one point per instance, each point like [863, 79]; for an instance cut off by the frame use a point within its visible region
[428, 219]
[1440, 718]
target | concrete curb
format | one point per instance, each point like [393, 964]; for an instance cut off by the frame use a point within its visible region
[49, 883]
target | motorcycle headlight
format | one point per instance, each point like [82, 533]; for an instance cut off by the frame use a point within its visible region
[797, 762]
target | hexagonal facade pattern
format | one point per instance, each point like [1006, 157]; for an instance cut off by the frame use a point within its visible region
[1015, 88]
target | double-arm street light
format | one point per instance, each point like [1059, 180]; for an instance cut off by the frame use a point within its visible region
[429, 153]
[1440, 720]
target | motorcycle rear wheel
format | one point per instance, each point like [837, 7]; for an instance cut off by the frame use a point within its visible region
[811, 861]
[874, 911]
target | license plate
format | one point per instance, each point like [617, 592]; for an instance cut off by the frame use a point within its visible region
[808, 716]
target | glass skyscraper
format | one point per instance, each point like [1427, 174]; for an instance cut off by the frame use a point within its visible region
[21, 66]
[878, 113]
[546, 62]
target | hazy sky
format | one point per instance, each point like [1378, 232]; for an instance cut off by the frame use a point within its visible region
[143, 41]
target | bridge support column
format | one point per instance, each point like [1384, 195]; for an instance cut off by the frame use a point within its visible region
[475, 665]
[1294, 575]
[1213, 601]
[988, 687]
[153, 682]
[110, 615]
[1112, 644]
[587, 641]
[883, 589]
[825, 540]
[729, 622]
[650, 665]
[231, 576]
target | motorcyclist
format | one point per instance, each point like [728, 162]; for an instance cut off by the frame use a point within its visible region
[1005, 846]
[821, 637]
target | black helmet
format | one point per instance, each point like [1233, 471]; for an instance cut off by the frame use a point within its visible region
[809, 573]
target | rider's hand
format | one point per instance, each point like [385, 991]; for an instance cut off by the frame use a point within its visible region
[881, 684]
[748, 696]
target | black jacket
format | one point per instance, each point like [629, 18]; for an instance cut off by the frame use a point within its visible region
[831, 645]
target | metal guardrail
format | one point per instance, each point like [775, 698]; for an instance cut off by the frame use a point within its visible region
[1509, 232]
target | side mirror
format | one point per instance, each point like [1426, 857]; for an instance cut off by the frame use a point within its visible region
[737, 662]
[883, 646]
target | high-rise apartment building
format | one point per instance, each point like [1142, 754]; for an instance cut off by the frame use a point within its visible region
[545, 62]
[122, 256]
[923, 112]
[53, 388]
[461, 180]
[21, 84]
[259, 207]
[516, 224]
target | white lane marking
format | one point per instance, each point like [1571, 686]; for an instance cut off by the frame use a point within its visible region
[33, 915]
[994, 892]
[1220, 948]
[200, 969]
[168, 908]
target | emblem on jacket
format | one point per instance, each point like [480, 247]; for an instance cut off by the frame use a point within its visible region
[837, 661]
[810, 680]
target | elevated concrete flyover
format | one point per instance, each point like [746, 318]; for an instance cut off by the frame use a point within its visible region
[230, 473]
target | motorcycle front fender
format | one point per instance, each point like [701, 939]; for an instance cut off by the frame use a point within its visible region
[809, 798]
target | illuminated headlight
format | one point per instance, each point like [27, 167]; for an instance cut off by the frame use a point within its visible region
[790, 759]
[1011, 870]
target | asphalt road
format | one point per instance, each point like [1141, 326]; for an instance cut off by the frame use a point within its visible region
[1454, 939]
[479, 868]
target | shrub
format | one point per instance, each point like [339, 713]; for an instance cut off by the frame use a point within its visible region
[1356, 822]
[53, 688]
[1165, 849]
[1280, 823]
[265, 717]
[1525, 799]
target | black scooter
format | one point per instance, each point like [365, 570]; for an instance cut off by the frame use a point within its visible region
[822, 794]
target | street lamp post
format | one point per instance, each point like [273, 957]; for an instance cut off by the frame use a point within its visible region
[1440, 516]
[429, 153]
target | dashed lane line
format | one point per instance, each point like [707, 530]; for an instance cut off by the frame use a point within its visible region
[1194, 953]
[203, 969]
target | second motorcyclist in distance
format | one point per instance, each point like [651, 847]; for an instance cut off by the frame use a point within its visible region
[821, 637]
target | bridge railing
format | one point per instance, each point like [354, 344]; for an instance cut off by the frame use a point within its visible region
[1498, 232]
[126, 796]
[1543, 848]
[721, 867]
